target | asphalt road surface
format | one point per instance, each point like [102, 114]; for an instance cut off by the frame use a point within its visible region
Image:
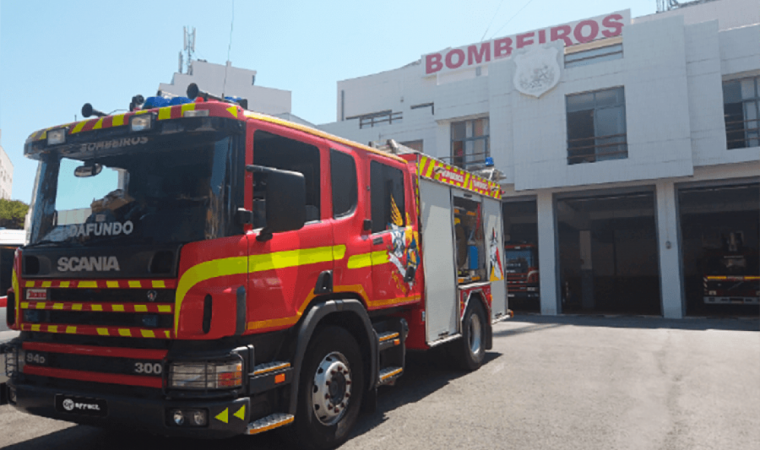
[569, 382]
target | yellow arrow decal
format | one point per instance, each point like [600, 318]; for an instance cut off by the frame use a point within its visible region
[241, 413]
[223, 416]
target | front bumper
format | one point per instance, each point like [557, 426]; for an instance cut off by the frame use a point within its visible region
[226, 418]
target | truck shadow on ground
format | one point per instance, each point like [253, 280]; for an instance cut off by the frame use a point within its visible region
[426, 372]
[537, 322]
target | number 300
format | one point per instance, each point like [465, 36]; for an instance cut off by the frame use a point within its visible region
[149, 368]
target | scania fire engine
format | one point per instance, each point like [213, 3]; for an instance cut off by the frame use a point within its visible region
[198, 269]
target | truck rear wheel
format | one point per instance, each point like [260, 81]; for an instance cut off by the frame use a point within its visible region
[330, 390]
[469, 352]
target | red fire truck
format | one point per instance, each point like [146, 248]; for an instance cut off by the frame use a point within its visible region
[522, 270]
[197, 269]
[732, 273]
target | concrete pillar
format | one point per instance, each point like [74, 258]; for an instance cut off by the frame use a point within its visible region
[547, 254]
[668, 244]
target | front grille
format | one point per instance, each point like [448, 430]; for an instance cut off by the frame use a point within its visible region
[109, 319]
[111, 295]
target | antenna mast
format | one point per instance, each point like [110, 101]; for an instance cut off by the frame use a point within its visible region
[186, 58]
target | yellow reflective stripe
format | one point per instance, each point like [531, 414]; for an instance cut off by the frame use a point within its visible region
[204, 271]
[103, 331]
[255, 263]
[117, 308]
[293, 258]
[36, 327]
[76, 307]
[380, 257]
[112, 284]
[87, 284]
[359, 261]
[159, 284]
[25, 305]
[57, 305]
[65, 284]
[30, 284]
[165, 113]
[187, 107]
[46, 284]
[40, 305]
[148, 333]
[141, 308]
[78, 127]
[98, 125]
[134, 284]
[167, 333]
[367, 259]
[125, 332]
[52, 328]
[117, 120]
[164, 308]
[71, 330]
[96, 307]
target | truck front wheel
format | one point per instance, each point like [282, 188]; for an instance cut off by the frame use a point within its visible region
[469, 351]
[330, 390]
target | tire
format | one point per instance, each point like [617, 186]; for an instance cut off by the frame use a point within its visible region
[332, 355]
[469, 351]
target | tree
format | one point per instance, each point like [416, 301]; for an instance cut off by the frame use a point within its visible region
[12, 213]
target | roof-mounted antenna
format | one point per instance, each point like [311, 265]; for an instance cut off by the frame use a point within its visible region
[229, 47]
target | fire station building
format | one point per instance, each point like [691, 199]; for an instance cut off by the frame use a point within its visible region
[630, 148]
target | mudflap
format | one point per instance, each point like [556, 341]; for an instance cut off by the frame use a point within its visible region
[3, 394]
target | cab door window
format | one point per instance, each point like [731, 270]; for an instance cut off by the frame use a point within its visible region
[271, 150]
[387, 189]
[344, 186]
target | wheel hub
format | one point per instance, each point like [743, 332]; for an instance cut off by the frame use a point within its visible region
[475, 331]
[332, 389]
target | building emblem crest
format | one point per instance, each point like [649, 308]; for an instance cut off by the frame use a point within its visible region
[537, 70]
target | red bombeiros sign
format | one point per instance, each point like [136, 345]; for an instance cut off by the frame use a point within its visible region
[582, 31]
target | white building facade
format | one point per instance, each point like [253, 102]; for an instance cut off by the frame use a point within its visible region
[629, 145]
[218, 79]
[6, 174]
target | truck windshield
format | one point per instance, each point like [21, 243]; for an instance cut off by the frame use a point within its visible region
[180, 189]
[522, 259]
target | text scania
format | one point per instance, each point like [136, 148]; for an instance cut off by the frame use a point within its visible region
[580, 32]
[101, 229]
[88, 264]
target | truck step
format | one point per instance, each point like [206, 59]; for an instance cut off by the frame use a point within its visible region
[261, 369]
[389, 375]
[270, 422]
[388, 340]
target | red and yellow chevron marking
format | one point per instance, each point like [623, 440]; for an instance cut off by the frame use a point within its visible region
[733, 277]
[102, 284]
[118, 120]
[101, 307]
[439, 171]
[94, 330]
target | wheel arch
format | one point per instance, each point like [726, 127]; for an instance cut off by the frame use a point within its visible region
[478, 296]
[349, 314]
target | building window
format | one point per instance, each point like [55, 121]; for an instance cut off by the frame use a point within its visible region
[469, 142]
[741, 108]
[414, 145]
[596, 128]
[379, 118]
[593, 55]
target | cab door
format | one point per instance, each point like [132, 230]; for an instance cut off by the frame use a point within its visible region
[394, 241]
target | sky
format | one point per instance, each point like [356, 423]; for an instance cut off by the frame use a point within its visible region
[57, 55]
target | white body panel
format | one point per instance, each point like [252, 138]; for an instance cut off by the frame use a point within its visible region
[494, 233]
[437, 220]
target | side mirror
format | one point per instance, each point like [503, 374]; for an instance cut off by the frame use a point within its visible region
[88, 170]
[285, 200]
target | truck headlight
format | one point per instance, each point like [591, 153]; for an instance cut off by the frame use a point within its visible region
[206, 375]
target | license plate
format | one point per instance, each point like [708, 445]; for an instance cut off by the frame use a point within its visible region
[81, 405]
